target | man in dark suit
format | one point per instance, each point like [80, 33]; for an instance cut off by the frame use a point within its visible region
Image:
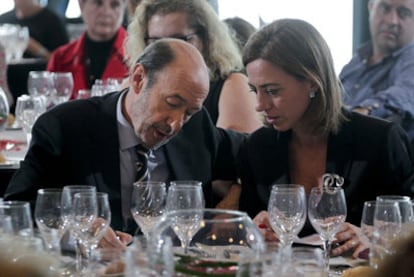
[93, 141]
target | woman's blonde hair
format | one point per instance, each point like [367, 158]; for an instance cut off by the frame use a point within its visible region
[220, 52]
[301, 51]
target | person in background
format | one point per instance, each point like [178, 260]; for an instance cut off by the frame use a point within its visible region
[379, 78]
[98, 53]
[131, 6]
[46, 29]
[241, 29]
[310, 133]
[3, 76]
[229, 102]
[94, 141]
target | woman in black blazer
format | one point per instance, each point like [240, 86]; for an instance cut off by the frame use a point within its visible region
[310, 132]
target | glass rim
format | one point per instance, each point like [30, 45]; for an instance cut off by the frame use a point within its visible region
[185, 182]
[236, 215]
[14, 203]
[149, 183]
[287, 186]
[393, 197]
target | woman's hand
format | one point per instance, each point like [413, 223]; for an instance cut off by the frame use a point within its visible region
[115, 239]
[262, 221]
[349, 238]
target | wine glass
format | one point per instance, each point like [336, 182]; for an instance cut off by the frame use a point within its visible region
[48, 218]
[287, 212]
[367, 221]
[68, 194]
[185, 195]
[327, 212]
[4, 109]
[387, 227]
[148, 204]
[63, 87]
[21, 217]
[21, 40]
[28, 109]
[84, 214]
[41, 84]
[91, 236]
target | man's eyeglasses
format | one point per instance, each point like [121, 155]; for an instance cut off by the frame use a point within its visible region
[186, 38]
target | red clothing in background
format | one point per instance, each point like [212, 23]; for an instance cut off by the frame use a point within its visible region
[71, 58]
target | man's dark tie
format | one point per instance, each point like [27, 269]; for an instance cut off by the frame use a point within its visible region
[142, 163]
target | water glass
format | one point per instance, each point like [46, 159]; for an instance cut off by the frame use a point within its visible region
[148, 204]
[387, 228]
[185, 195]
[63, 87]
[327, 212]
[367, 221]
[28, 109]
[287, 212]
[48, 218]
[21, 218]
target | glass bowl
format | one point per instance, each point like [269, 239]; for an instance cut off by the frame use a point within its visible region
[216, 239]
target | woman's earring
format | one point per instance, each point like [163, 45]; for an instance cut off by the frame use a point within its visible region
[312, 94]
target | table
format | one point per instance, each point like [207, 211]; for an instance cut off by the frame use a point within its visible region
[17, 73]
[13, 148]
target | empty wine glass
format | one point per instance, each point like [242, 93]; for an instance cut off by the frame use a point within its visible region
[68, 194]
[84, 214]
[327, 212]
[28, 109]
[287, 212]
[48, 218]
[91, 236]
[406, 210]
[185, 195]
[387, 227]
[41, 84]
[21, 217]
[21, 40]
[148, 204]
[367, 221]
[63, 87]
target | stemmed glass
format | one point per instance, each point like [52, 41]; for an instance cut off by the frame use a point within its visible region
[68, 194]
[63, 87]
[21, 41]
[84, 214]
[90, 237]
[367, 221]
[287, 212]
[148, 204]
[185, 195]
[406, 210]
[327, 212]
[28, 109]
[387, 227]
[41, 84]
[48, 218]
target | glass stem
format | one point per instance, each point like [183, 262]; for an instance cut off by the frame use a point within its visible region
[327, 245]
